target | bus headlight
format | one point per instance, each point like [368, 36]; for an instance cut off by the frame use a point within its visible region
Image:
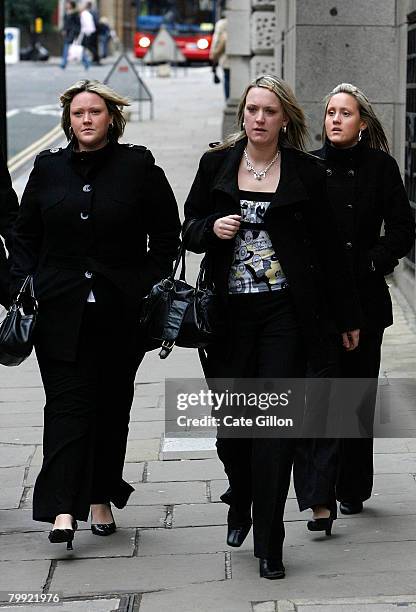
[202, 44]
[144, 42]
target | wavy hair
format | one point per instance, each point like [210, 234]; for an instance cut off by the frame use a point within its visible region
[296, 134]
[114, 102]
[375, 135]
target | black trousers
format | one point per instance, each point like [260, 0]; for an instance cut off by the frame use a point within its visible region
[86, 419]
[265, 341]
[356, 468]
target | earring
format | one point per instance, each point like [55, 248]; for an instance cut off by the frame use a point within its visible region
[71, 132]
[284, 129]
[359, 135]
[110, 127]
[244, 126]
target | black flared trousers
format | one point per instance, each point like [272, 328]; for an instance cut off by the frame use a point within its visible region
[265, 341]
[86, 419]
[355, 469]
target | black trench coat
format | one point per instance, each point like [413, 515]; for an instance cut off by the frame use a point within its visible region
[302, 229]
[8, 213]
[121, 225]
[365, 189]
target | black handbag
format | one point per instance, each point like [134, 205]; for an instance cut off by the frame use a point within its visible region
[174, 312]
[16, 330]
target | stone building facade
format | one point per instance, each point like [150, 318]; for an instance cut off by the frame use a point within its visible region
[316, 44]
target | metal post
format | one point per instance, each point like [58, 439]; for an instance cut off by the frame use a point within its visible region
[3, 99]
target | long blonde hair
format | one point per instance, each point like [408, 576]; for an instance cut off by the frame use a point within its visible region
[296, 134]
[114, 102]
[375, 134]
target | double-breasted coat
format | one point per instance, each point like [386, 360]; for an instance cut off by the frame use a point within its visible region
[120, 225]
[8, 213]
[302, 229]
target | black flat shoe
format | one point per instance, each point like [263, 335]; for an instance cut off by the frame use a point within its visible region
[104, 529]
[237, 535]
[351, 507]
[58, 536]
[272, 569]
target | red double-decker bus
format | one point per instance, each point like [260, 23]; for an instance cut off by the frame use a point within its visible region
[190, 22]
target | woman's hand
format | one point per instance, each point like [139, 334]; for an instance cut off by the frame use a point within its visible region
[227, 227]
[350, 339]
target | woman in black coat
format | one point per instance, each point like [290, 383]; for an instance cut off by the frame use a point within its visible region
[258, 209]
[97, 227]
[366, 191]
[8, 213]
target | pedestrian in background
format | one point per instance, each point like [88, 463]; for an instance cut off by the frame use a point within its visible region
[71, 29]
[104, 37]
[98, 227]
[88, 32]
[8, 212]
[218, 52]
[366, 191]
[259, 211]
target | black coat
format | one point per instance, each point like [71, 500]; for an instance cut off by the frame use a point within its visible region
[365, 189]
[303, 233]
[71, 26]
[8, 213]
[114, 232]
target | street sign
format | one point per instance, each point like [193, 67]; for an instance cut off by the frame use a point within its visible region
[164, 49]
[124, 78]
[12, 45]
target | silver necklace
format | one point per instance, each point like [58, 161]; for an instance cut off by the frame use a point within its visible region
[259, 174]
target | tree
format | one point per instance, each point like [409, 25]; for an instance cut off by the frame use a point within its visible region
[21, 13]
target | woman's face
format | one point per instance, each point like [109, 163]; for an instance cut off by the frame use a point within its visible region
[343, 121]
[263, 116]
[90, 120]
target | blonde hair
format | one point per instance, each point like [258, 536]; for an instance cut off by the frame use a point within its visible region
[114, 102]
[296, 134]
[375, 134]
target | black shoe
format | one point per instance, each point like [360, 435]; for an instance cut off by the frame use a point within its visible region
[322, 524]
[351, 507]
[104, 529]
[239, 524]
[58, 536]
[272, 569]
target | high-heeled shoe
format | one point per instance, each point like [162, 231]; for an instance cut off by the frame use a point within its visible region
[58, 536]
[322, 524]
[104, 529]
[272, 569]
[239, 525]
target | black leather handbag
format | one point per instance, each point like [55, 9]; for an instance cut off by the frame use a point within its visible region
[16, 330]
[174, 312]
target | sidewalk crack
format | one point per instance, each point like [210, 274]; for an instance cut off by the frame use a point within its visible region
[47, 586]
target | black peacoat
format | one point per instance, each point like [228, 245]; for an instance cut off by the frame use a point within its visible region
[366, 190]
[8, 213]
[302, 230]
[117, 230]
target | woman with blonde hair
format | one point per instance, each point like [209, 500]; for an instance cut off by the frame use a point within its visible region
[258, 209]
[366, 191]
[97, 227]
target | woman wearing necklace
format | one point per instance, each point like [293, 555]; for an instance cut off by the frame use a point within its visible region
[366, 190]
[258, 209]
[97, 227]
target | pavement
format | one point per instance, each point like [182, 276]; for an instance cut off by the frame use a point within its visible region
[169, 552]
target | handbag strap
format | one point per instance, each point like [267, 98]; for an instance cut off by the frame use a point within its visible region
[27, 287]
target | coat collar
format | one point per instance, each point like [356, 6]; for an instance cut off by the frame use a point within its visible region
[290, 188]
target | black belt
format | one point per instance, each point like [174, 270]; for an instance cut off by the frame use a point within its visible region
[247, 225]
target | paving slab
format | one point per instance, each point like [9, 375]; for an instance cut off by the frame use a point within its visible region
[190, 540]
[12, 455]
[11, 476]
[32, 546]
[18, 576]
[10, 497]
[133, 472]
[18, 395]
[20, 521]
[86, 605]
[140, 516]
[142, 450]
[17, 408]
[22, 419]
[136, 574]
[182, 470]
[147, 414]
[198, 515]
[395, 463]
[21, 435]
[168, 493]
[146, 430]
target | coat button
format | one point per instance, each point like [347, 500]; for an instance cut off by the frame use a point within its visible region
[348, 245]
[87, 188]
[328, 172]
[84, 215]
[348, 205]
[298, 216]
[54, 150]
[351, 172]
[88, 274]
